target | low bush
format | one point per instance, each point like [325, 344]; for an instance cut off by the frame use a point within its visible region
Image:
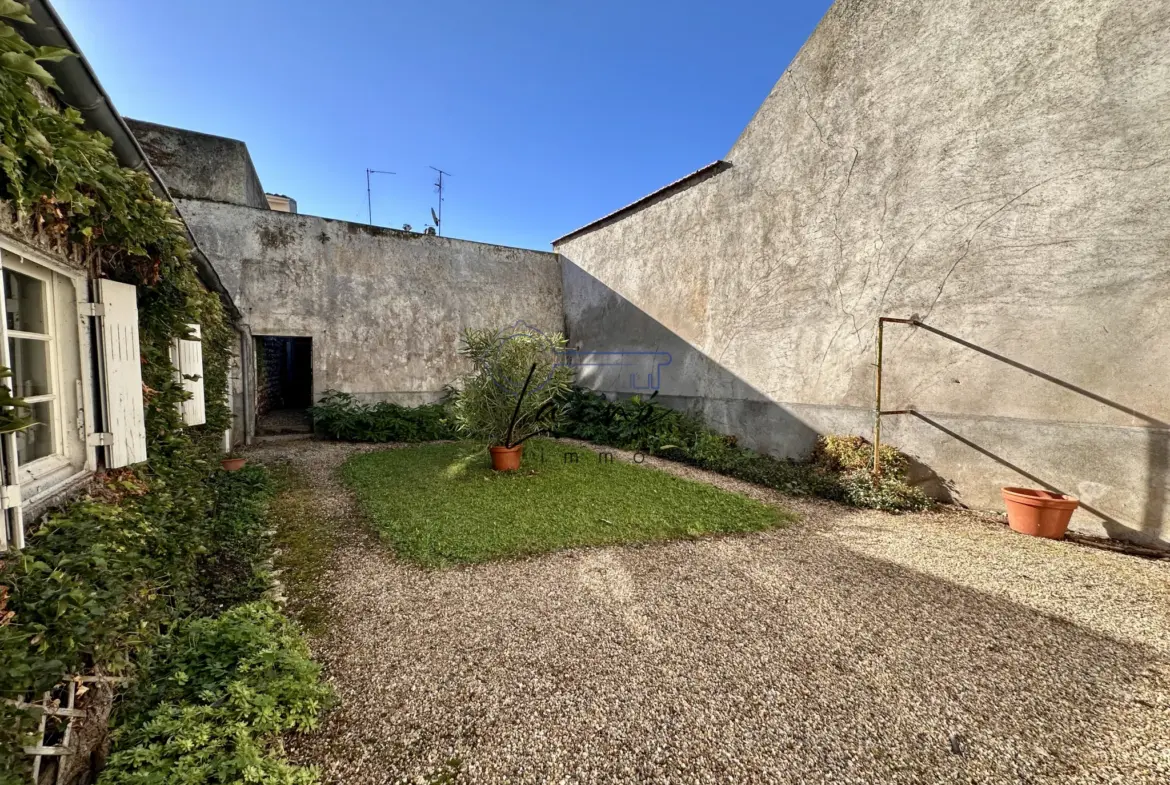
[216, 695]
[341, 416]
[107, 582]
[234, 570]
[839, 468]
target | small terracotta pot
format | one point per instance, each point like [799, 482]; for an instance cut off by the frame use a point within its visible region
[506, 459]
[1039, 513]
[233, 464]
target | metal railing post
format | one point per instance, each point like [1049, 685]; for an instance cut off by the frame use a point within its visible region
[877, 400]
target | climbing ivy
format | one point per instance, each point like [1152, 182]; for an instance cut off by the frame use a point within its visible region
[104, 578]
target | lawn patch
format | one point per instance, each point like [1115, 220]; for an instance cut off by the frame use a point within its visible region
[441, 504]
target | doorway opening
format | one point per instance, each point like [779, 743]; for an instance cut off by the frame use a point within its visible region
[284, 384]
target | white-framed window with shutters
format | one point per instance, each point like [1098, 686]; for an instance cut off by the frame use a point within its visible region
[73, 348]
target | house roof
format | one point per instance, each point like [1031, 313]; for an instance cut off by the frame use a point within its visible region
[665, 192]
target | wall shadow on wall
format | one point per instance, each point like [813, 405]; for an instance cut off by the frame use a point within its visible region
[1157, 446]
[598, 319]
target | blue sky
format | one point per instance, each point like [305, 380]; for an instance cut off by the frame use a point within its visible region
[548, 114]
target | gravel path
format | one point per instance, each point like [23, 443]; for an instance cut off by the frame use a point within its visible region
[855, 647]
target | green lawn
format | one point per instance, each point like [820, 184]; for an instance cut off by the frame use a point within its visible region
[441, 504]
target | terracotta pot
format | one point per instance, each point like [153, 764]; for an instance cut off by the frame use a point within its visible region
[506, 459]
[1039, 513]
[233, 464]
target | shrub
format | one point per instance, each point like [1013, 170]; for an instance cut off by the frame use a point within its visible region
[635, 424]
[887, 491]
[839, 469]
[217, 694]
[235, 569]
[517, 388]
[853, 453]
[103, 580]
[341, 416]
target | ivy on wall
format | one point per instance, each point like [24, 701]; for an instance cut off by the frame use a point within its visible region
[102, 579]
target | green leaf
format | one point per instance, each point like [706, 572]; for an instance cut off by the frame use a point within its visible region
[25, 64]
[10, 9]
[53, 54]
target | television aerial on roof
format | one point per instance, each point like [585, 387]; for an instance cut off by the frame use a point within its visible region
[439, 187]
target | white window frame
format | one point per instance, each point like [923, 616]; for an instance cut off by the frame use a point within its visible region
[20, 262]
[30, 261]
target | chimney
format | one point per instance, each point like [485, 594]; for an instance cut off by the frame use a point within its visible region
[285, 204]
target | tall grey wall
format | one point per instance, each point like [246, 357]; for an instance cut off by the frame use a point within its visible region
[195, 165]
[384, 308]
[1000, 170]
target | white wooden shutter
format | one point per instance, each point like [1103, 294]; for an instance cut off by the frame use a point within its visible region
[187, 357]
[121, 371]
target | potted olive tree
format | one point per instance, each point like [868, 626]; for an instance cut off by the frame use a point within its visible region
[515, 392]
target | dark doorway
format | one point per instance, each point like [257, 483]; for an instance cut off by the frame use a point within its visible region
[284, 373]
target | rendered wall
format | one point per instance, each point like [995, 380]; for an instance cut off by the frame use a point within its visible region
[999, 169]
[384, 308]
[195, 165]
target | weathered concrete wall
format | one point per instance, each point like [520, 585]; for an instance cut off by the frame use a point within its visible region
[201, 166]
[1001, 170]
[384, 308]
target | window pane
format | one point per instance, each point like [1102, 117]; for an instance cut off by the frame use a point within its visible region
[37, 441]
[24, 301]
[30, 367]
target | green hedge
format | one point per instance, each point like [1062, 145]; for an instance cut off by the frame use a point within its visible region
[839, 469]
[341, 416]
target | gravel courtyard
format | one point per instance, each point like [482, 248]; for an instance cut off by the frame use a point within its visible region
[854, 647]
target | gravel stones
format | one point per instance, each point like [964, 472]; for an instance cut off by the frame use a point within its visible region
[853, 647]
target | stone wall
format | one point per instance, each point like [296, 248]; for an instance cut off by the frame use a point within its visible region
[384, 308]
[1000, 170]
[195, 165]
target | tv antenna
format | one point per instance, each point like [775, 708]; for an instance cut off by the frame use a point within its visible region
[439, 186]
[369, 200]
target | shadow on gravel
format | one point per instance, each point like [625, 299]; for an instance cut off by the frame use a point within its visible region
[781, 657]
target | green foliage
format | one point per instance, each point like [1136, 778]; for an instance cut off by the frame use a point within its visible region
[441, 504]
[12, 417]
[341, 416]
[19, 56]
[217, 693]
[234, 570]
[101, 580]
[839, 469]
[517, 387]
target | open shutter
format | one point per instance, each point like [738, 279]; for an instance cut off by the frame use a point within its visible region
[187, 356]
[121, 374]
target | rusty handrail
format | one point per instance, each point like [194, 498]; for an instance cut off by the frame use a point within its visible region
[877, 402]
